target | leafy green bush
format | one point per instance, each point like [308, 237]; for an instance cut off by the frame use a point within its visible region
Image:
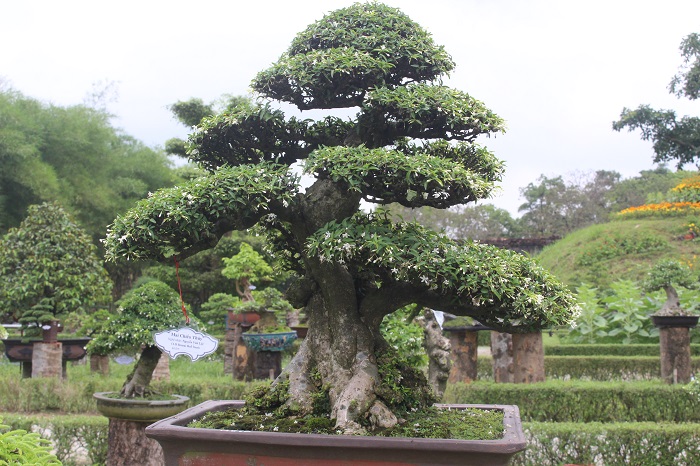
[68, 435]
[620, 245]
[213, 311]
[405, 336]
[638, 444]
[49, 268]
[18, 446]
[580, 401]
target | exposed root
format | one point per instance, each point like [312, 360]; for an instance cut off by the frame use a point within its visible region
[301, 387]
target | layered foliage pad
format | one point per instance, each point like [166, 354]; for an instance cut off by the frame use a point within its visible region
[500, 288]
[411, 142]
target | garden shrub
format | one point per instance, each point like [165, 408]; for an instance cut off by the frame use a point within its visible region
[611, 350]
[638, 444]
[21, 446]
[569, 401]
[70, 436]
[593, 367]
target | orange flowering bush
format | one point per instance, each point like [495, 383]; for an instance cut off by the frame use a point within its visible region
[662, 209]
[687, 190]
[683, 199]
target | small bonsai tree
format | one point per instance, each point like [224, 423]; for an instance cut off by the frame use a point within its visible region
[245, 267]
[667, 275]
[49, 268]
[213, 311]
[412, 142]
[151, 307]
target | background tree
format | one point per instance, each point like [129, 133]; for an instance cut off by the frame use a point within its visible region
[74, 156]
[557, 206]
[649, 186]
[49, 268]
[674, 138]
[355, 267]
[462, 222]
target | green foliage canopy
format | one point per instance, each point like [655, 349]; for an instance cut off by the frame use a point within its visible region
[151, 307]
[411, 142]
[49, 260]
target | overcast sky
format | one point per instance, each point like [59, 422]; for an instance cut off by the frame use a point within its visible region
[559, 72]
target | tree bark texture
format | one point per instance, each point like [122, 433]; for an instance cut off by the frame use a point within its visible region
[99, 363]
[439, 356]
[675, 354]
[137, 382]
[528, 358]
[129, 446]
[47, 359]
[502, 357]
[464, 354]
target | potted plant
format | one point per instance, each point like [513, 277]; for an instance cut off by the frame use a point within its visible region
[672, 320]
[666, 275]
[353, 268]
[150, 307]
[49, 268]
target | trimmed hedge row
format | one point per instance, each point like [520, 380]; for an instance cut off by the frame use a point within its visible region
[610, 350]
[75, 438]
[75, 396]
[577, 401]
[639, 444]
[601, 368]
[642, 444]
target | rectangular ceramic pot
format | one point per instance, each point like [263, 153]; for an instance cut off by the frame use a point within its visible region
[186, 446]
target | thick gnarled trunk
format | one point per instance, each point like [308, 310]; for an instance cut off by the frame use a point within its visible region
[341, 349]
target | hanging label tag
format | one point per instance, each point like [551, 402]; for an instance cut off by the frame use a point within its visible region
[185, 341]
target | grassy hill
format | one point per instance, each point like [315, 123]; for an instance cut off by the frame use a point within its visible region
[621, 249]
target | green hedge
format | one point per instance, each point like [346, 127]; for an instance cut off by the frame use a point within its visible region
[75, 396]
[610, 350]
[578, 401]
[75, 438]
[638, 444]
[601, 368]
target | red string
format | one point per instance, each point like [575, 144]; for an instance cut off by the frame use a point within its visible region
[179, 286]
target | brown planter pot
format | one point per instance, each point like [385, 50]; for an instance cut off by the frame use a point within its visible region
[675, 321]
[199, 447]
[18, 350]
[301, 331]
[246, 319]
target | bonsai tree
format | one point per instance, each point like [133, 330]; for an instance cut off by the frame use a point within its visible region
[49, 268]
[246, 266]
[412, 141]
[151, 307]
[667, 275]
[214, 310]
